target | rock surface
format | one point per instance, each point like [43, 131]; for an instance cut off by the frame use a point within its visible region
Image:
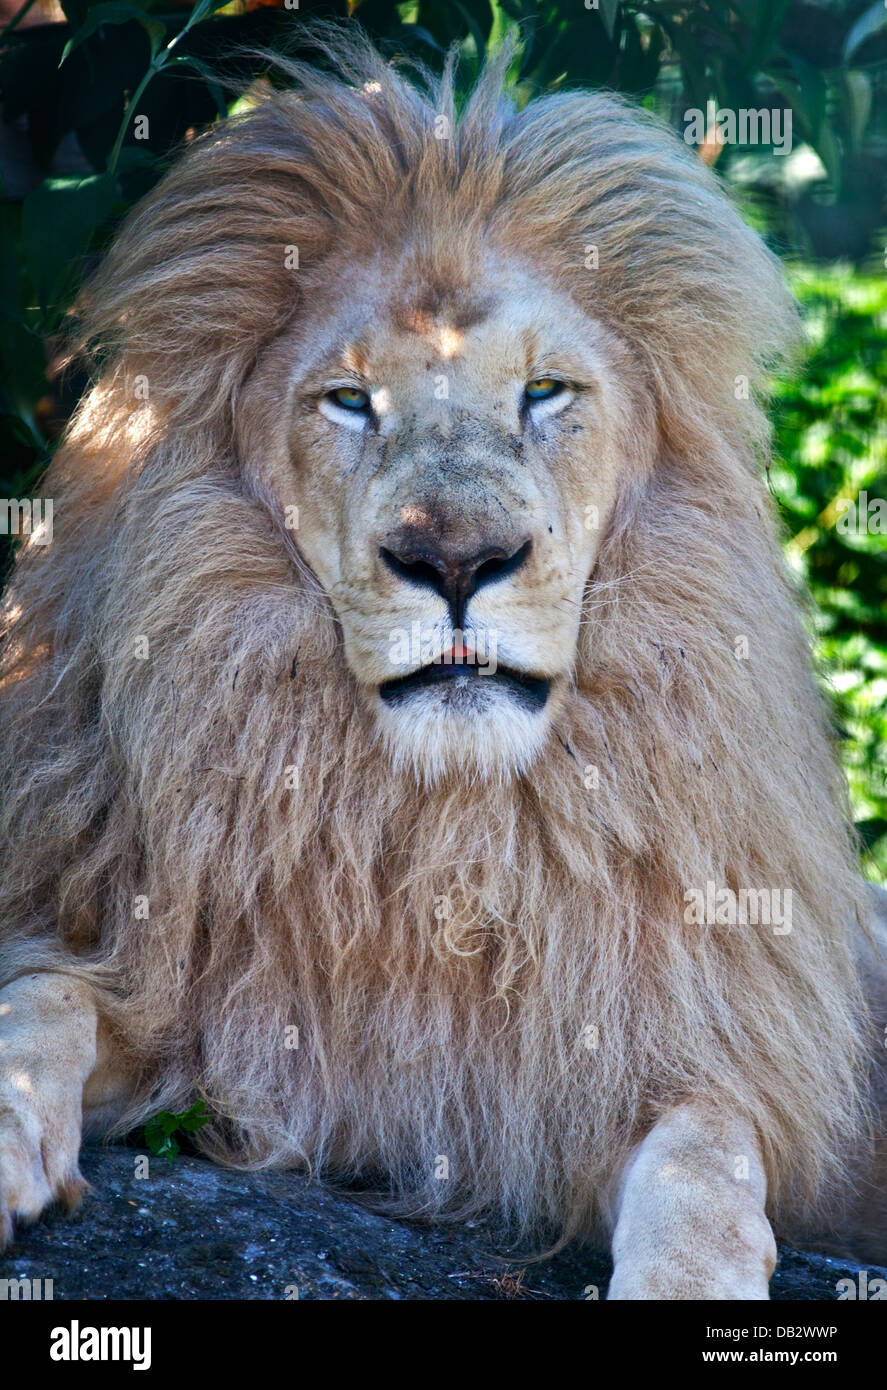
[190, 1230]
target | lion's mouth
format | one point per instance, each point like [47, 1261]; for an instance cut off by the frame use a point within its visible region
[530, 691]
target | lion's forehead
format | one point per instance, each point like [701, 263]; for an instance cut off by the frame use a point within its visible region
[501, 321]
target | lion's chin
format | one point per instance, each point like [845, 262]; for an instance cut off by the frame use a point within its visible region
[468, 727]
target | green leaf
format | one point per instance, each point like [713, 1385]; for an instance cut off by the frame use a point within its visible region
[58, 222]
[829, 151]
[609, 10]
[859, 104]
[167, 1147]
[159, 1135]
[195, 1118]
[203, 10]
[115, 12]
[692, 62]
[160, 1130]
[870, 22]
[812, 94]
[164, 1122]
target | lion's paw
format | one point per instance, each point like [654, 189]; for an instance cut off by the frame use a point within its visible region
[38, 1164]
[661, 1281]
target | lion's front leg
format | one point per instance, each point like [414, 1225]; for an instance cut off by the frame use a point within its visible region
[690, 1221]
[48, 1045]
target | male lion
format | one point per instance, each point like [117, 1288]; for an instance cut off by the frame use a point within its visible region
[414, 651]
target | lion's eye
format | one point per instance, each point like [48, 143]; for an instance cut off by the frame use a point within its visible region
[350, 397]
[542, 388]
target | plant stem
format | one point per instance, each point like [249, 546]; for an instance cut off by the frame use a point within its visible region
[155, 65]
[130, 106]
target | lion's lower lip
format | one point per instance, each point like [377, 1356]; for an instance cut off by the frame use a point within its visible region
[531, 691]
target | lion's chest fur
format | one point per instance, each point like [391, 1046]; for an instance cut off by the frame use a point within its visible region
[447, 1060]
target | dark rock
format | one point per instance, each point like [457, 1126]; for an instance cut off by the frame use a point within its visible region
[193, 1230]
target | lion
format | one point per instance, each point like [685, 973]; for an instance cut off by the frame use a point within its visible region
[413, 656]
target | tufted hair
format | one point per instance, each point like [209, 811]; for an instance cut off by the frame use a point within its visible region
[563, 1001]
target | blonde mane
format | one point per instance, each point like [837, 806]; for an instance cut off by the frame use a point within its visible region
[500, 975]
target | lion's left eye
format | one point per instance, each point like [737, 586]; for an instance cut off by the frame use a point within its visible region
[350, 397]
[542, 388]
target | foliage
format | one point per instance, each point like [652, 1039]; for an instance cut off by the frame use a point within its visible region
[830, 478]
[73, 95]
[161, 1129]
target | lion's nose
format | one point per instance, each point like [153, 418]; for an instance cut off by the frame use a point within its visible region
[454, 571]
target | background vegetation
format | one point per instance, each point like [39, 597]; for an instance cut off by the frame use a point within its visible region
[72, 79]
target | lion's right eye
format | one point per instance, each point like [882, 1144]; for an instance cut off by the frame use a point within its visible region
[350, 398]
[542, 388]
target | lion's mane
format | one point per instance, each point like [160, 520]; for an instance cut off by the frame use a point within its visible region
[500, 974]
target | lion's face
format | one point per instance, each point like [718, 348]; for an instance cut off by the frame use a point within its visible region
[453, 457]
